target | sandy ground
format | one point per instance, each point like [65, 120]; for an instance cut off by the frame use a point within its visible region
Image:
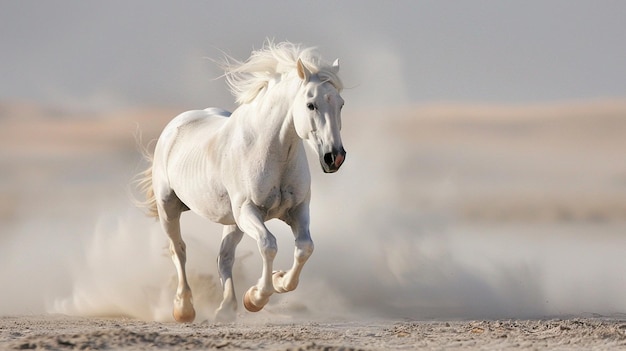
[56, 332]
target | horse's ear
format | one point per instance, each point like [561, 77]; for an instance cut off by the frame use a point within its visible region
[336, 65]
[303, 72]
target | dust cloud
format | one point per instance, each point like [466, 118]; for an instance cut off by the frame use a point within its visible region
[434, 215]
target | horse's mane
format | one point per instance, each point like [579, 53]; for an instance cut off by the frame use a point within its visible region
[247, 79]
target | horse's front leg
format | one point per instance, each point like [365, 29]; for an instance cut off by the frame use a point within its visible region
[250, 221]
[299, 222]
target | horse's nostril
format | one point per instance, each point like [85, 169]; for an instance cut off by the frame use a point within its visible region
[329, 158]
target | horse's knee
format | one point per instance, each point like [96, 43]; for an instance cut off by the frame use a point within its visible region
[267, 246]
[269, 249]
[304, 249]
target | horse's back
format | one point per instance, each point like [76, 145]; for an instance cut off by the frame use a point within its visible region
[191, 123]
[194, 118]
[185, 131]
[216, 111]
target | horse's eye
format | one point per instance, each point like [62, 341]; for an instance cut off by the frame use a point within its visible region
[310, 106]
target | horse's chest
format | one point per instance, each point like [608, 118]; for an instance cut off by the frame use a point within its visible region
[277, 200]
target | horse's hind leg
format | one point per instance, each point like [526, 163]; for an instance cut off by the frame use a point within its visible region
[230, 239]
[169, 215]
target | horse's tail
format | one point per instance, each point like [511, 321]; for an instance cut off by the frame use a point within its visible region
[143, 183]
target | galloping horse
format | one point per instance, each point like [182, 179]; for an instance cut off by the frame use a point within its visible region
[245, 168]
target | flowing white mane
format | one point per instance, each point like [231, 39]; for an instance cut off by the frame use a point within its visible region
[273, 61]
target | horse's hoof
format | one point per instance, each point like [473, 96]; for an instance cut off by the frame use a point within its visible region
[183, 308]
[247, 302]
[186, 315]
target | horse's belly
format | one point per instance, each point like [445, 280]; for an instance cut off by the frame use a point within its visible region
[205, 197]
[217, 216]
[215, 206]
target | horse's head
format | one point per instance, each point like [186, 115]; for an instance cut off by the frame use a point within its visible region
[317, 116]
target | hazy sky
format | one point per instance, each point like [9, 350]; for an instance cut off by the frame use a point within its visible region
[100, 53]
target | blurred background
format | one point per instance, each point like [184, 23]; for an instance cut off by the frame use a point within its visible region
[485, 175]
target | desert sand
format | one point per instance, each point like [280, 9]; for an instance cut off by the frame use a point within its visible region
[55, 332]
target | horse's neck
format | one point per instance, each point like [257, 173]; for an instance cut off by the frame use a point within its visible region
[270, 118]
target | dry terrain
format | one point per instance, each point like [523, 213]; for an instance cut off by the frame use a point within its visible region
[65, 333]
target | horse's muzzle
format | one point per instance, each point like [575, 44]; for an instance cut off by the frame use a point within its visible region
[331, 161]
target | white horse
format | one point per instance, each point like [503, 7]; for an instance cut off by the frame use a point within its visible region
[244, 168]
